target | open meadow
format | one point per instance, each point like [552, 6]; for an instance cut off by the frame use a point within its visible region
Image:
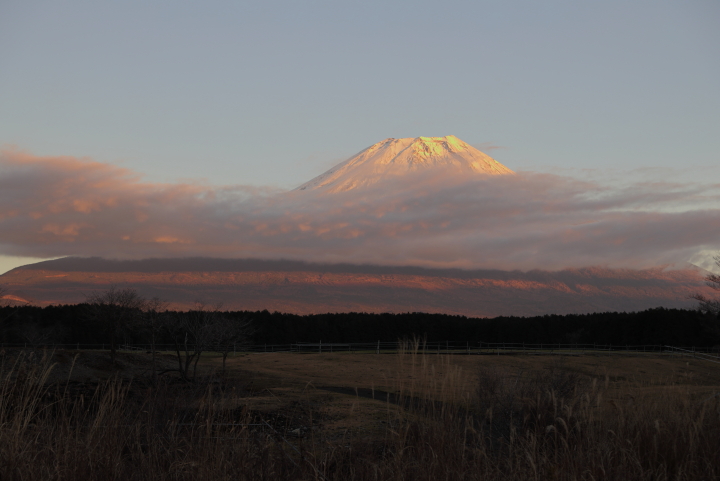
[405, 415]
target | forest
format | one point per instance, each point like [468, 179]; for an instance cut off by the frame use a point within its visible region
[85, 324]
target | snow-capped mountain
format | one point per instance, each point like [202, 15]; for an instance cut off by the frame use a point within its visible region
[394, 158]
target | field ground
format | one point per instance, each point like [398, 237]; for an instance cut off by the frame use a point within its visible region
[277, 378]
[347, 393]
[403, 415]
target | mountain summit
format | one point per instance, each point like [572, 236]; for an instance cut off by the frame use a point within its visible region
[393, 158]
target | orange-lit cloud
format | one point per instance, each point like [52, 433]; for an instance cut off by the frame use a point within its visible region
[55, 206]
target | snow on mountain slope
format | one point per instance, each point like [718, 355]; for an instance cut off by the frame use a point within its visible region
[394, 158]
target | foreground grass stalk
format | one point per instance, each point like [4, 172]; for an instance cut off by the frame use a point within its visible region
[506, 426]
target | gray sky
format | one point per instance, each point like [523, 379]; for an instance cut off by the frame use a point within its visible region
[274, 93]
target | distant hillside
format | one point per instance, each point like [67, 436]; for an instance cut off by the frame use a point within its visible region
[305, 288]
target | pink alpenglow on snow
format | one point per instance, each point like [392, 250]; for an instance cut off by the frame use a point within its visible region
[396, 158]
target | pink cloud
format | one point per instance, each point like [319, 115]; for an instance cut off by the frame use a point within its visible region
[55, 206]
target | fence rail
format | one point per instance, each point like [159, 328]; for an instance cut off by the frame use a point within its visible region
[443, 347]
[696, 354]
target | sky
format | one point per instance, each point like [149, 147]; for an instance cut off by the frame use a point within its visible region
[220, 105]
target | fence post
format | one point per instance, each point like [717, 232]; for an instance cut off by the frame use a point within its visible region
[320, 347]
[378, 347]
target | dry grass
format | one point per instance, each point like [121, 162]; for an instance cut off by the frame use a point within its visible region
[443, 418]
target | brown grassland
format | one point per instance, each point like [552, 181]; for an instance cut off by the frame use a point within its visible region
[405, 415]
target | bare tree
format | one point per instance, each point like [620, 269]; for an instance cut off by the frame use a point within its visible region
[205, 329]
[37, 336]
[154, 320]
[191, 335]
[6, 300]
[226, 334]
[707, 304]
[115, 309]
[9, 300]
[4, 316]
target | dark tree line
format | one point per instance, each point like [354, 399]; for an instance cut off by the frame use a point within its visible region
[208, 328]
[120, 316]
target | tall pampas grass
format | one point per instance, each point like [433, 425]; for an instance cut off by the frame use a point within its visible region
[503, 425]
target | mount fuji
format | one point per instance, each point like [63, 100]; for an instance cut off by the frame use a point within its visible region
[396, 158]
[384, 177]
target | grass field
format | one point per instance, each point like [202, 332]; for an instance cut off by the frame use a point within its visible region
[73, 415]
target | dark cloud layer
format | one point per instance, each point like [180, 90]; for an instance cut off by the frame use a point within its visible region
[56, 206]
